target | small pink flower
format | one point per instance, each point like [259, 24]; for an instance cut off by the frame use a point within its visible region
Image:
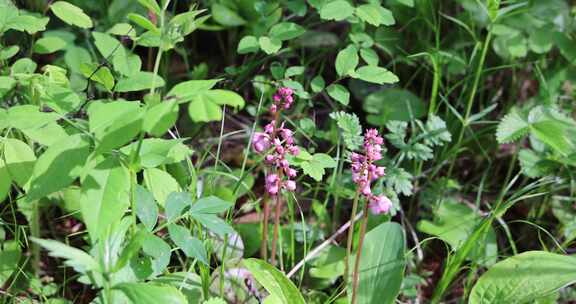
[379, 204]
[290, 185]
[261, 142]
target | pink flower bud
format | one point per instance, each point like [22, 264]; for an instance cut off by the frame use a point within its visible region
[379, 204]
[290, 185]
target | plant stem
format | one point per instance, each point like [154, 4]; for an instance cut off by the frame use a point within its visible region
[264, 245]
[350, 237]
[470, 102]
[359, 253]
[276, 227]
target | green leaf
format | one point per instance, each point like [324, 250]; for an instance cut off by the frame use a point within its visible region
[58, 166]
[156, 152]
[205, 106]
[339, 93]
[214, 224]
[210, 205]
[524, 278]
[554, 134]
[375, 74]
[286, 31]
[393, 104]
[315, 167]
[75, 258]
[151, 293]
[126, 63]
[152, 5]
[75, 56]
[381, 265]
[225, 16]
[7, 83]
[454, 223]
[159, 251]
[269, 45]
[146, 208]
[5, 185]
[399, 180]
[409, 3]
[294, 71]
[248, 44]
[19, 159]
[9, 260]
[370, 56]
[274, 282]
[202, 110]
[493, 7]
[114, 123]
[347, 60]
[160, 183]
[71, 14]
[143, 22]
[9, 52]
[349, 125]
[187, 90]
[176, 202]
[192, 247]
[105, 196]
[99, 74]
[24, 117]
[139, 81]
[512, 127]
[317, 84]
[336, 10]
[160, 118]
[106, 44]
[46, 135]
[47, 45]
[375, 14]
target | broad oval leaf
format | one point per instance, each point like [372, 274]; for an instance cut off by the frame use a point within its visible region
[381, 265]
[524, 277]
[151, 293]
[393, 104]
[105, 196]
[274, 281]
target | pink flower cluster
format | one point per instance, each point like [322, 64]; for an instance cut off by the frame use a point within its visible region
[281, 139]
[282, 99]
[364, 172]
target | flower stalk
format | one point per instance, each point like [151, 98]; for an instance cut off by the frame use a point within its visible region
[277, 141]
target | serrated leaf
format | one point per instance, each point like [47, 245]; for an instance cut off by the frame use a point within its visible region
[512, 127]
[351, 129]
